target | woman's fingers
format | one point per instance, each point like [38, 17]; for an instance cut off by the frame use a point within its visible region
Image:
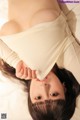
[19, 66]
[23, 72]
[33, 74]
[29, 74]
[20, 73]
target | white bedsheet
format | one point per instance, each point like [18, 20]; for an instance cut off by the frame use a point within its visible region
[13, 100]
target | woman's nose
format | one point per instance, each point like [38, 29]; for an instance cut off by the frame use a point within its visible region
[47, 88]
[47, 85]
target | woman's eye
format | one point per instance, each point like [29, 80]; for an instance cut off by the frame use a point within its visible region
[38, 98]
[54, 94]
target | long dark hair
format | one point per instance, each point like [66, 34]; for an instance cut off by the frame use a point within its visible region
[51, 110]
[9, 71]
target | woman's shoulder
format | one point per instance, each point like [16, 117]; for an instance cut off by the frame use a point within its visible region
[10, 27]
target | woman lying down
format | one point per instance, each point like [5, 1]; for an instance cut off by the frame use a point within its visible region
[54, 98]
[48, 41]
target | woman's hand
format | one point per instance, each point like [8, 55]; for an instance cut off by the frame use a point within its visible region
[23, 72]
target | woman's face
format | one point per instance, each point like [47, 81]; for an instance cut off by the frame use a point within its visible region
[50, 88]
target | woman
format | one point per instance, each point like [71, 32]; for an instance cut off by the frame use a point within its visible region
[53, 40]
[55, 95]
[52, 99]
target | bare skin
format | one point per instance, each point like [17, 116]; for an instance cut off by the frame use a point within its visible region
[22, 15]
